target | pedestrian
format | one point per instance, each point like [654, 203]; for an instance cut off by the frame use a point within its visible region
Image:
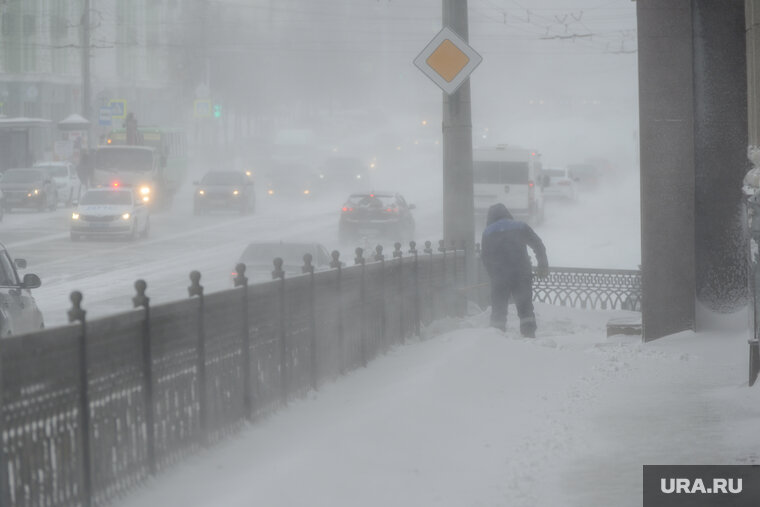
[505, 256]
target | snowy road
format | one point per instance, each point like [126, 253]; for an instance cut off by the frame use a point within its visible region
[601, 230]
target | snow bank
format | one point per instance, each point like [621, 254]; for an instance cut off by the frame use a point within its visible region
[474, 417]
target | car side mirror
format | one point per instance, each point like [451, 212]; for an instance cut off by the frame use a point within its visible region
[31, 281]
[20, 263]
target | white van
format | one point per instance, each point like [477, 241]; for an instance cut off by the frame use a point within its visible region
[510, 176]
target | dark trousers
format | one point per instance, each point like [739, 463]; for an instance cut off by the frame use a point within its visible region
[520, 288]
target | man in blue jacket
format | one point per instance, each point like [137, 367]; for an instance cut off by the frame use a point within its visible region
[505, 256]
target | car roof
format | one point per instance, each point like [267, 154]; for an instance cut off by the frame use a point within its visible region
[374, 193]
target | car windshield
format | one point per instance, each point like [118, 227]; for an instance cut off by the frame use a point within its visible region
[21, 176]
[513, 173]
[222, 178]
[265, 253]
[58, 171]
[8, 276]
[372, 200]
[124, 159]
[119, 197]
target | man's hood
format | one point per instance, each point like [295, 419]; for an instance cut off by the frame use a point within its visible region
[497, 212]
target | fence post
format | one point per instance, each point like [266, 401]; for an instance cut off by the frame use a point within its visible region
[413, 251]
[478, 288]
[77, 314]
[308, 269]
[241, 280]
[360, 261]
[379, 257]
[196, 289]
[141, 300]
[279, 274]
[336, 264]
[397, 255]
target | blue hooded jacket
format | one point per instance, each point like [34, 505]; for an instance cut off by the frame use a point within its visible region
[504, 246]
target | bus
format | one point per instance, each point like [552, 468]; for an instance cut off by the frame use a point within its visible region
[171, 146]
[508, 175]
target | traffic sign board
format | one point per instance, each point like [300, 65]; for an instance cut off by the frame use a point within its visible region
[104, 116]
[448, 60]
[118, 108]
[202, 108]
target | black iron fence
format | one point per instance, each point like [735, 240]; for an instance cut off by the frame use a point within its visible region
[95, 407]
[92, 408]
[585, 288]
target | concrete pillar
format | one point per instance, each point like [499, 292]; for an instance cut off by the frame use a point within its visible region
[666, 116]
[692, 102]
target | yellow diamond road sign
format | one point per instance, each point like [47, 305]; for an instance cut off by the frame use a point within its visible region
[448, 60]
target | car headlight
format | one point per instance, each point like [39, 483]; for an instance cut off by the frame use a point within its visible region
[126, 216]
[146, 198]
[235, 192]
[36, 191]
[75, 216]
[306, 192]
[201, 192]
[270, 192]
[145, 190]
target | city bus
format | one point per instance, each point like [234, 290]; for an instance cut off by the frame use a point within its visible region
[171, 146]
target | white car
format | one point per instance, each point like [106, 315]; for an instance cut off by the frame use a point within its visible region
[110, 211]
[558, 183]
[18, 309]
[66, 180]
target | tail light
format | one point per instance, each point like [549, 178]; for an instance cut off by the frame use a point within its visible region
[346, 209]
[531, 191]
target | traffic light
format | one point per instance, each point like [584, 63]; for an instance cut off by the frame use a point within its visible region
[217, 110]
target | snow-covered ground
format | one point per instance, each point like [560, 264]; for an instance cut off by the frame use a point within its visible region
[469, 416]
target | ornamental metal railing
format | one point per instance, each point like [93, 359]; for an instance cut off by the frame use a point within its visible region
[91, 409]
[584, 288]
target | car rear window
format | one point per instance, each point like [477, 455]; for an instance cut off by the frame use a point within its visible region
[118, 197]
[514, 173]
[371, 200]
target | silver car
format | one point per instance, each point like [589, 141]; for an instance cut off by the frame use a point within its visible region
[18, 309]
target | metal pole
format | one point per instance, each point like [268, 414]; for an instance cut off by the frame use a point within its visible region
[242, 281]
[86, 61]
[458, 208]
[141, 300]
[196, 289]
[77, 314]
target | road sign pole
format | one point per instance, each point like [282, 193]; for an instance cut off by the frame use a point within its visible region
[458, 207]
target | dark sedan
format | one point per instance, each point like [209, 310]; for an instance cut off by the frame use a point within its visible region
[28, 188]
[224, 190]
[376, 214]
[259, 258]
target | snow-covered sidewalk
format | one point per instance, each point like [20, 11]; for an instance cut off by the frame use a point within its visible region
[471, 417]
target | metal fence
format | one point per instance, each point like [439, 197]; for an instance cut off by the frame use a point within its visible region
[95, 407]
[585, 288]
